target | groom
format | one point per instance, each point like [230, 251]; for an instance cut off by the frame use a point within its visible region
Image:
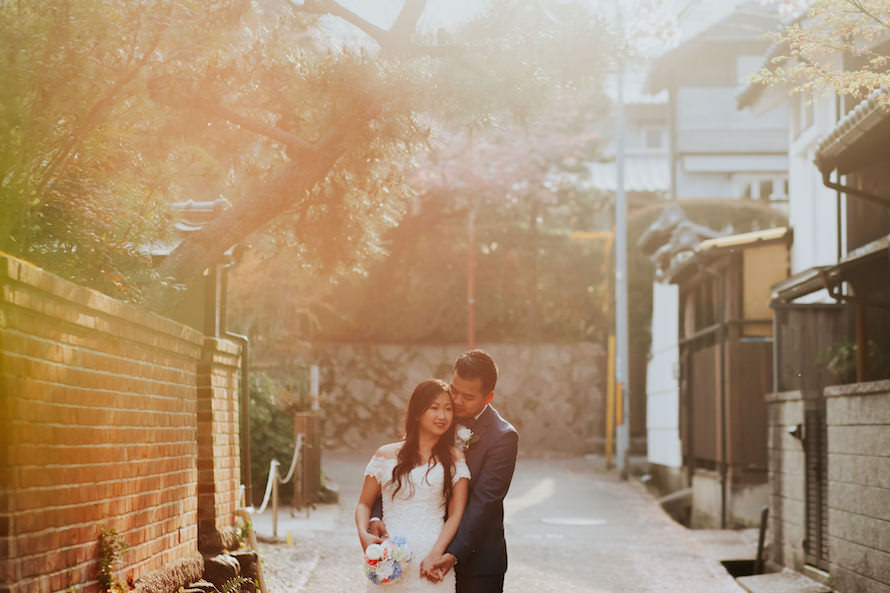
[478, 552]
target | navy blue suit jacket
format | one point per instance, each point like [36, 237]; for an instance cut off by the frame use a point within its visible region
[479, 544]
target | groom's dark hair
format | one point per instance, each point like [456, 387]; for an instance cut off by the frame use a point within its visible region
[477, 364]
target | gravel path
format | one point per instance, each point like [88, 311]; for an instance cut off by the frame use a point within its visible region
[327, 562]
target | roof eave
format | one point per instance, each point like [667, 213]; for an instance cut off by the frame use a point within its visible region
[711, 249]
[866, 118]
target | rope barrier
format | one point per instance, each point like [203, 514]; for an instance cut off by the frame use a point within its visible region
[293, 464]
[273, 469]
[273, 474]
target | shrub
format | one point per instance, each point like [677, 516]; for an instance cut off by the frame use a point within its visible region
[271, 434]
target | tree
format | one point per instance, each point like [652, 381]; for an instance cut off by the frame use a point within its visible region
[832, 45]
[533, 279]
[81, 181]
[251, 101]
[354, 116]
[521, 185]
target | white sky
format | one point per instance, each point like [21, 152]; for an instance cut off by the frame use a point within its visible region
[445, 13]
[438, 13]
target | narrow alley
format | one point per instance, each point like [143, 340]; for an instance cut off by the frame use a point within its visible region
[570, 528]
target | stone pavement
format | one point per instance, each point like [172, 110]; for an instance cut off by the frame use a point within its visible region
[570, 527]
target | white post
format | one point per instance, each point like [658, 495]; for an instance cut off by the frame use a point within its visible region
[313, 386]
[274, 478]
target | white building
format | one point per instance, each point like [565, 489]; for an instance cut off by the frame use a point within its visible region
[716, 151]
[814, 211]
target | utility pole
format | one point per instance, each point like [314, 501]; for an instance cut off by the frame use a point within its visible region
[471, 275]
[621, 333]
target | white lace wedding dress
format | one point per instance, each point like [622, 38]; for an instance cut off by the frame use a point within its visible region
[416, 515]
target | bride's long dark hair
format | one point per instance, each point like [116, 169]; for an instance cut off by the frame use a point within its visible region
[409, 454]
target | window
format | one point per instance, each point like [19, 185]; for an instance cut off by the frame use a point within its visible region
[764, 187]
[653, 137]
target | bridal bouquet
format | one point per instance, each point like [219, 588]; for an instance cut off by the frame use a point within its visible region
[387, 561]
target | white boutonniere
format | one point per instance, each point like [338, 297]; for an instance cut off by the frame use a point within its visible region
[464, 437]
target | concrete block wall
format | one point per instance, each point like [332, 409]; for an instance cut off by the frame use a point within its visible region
[99, 430]
[786, 478]
[858, 419]
[858, 427]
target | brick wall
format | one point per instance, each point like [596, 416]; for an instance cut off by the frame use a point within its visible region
[219, 474]
[100, 409]
[858, 429]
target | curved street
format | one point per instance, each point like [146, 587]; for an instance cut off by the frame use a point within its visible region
[570, 528]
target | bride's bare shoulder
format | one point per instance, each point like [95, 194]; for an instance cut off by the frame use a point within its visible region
[389, 451]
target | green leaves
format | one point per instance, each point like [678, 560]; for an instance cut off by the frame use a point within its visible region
[73, 197]
[110, 111]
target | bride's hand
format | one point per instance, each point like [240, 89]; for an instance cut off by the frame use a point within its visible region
[378, 528]
[428, 570]
[367, 539]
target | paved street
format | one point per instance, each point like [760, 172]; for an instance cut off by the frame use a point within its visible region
[570, 528]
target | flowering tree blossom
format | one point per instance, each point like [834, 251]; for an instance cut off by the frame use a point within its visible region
[831, 45]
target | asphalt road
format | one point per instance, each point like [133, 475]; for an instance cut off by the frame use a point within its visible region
[570, 528]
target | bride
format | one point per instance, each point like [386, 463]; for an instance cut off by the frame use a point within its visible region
[423, 481]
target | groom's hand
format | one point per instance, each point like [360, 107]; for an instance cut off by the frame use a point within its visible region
[428, 573]
[435, 569]
[445, 563]
[378, 528]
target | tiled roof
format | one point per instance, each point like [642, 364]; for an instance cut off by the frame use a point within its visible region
[853, 126]
[710, 248]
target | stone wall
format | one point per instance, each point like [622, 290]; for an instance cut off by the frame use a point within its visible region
[858, 443]
[552, 393]
[99, 428]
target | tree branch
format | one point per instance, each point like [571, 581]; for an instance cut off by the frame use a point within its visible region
[273, 196]
[396, 39]
[292, 141]
[333, 8]
[204, 248]
[101, 106]
[406, 23]
[858, 5]
[166, 92]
